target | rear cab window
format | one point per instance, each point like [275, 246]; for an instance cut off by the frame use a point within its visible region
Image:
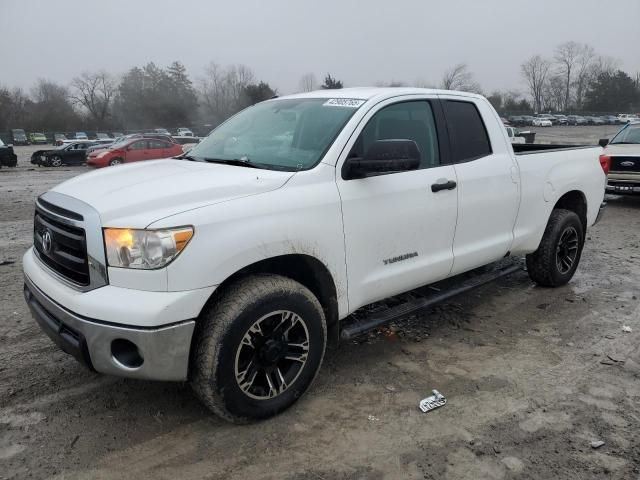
[467, 133]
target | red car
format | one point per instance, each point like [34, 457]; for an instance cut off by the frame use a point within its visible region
[133, 150]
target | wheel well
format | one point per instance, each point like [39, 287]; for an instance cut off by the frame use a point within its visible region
[576, 202]
[308, 271]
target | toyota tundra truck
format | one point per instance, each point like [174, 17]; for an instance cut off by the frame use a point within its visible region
[233, 266]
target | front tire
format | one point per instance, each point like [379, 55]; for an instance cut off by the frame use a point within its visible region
[258, 348]
[55, 161]
[115, 161]
[557, 258]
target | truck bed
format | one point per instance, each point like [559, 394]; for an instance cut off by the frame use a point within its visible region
[528, 148]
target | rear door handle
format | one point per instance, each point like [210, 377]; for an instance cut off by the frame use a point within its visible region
[449, 185]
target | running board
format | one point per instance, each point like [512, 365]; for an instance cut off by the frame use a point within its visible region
[410, 307]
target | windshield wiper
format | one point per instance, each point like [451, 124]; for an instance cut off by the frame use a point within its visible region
[184, 156]
[623, 143]
[238, 162]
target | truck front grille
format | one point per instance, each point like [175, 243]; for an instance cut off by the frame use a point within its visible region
[61, 246]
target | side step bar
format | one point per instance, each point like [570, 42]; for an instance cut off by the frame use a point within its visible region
[406, 309]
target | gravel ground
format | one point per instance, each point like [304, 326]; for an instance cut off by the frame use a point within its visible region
[532, 377]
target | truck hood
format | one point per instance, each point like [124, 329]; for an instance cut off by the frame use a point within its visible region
[138, 194]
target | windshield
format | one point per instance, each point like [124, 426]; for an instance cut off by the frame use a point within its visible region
[628, 134]
[287, 134]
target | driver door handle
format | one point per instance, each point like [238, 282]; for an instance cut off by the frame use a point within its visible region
[448, 185]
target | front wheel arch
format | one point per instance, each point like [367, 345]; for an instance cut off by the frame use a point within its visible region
[304, 269]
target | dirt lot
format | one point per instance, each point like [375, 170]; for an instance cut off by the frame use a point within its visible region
[532, 377]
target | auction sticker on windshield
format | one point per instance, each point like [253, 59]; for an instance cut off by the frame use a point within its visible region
[343, 102]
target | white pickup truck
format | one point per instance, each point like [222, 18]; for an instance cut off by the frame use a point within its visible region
[233, 266]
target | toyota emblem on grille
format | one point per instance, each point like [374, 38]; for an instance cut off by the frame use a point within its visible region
[627, 164]
[46, 241]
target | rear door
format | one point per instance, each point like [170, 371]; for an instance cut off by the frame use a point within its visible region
[159, 149]
[488, 182]
[398, 231]
[137, 151]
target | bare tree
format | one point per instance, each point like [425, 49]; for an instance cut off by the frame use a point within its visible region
[584, 61]
[307, 82]
[459, 77]
[535, 71]
[603, 64]
[223, 89]
[566, 57]
[554, 93]
[95, 92]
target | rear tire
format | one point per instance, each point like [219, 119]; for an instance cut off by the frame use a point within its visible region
[557, 258]
[258, 348]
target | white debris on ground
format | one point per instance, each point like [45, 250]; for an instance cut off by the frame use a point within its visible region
[432, 402]
[626, 329]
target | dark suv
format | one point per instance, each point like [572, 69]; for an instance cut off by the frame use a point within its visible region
[7, 157]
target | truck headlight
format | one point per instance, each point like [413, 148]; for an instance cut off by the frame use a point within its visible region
[144, 249]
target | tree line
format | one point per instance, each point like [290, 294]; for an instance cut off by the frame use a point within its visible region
[575, 79]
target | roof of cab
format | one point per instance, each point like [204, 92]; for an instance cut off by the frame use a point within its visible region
[367, 93]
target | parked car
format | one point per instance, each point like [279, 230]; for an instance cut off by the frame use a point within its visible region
[134, 150]
[514, 135]
[8, 158]
[59, 138]
[187, 143]
[610, 119]
[36, 138]
[19, 137]
[102, 136]
[104, 144]
[561, 119]
[627, 117]
[516, 120]
[184, 132]
[576, 120]
[81, 136]
[622, 154]
[542, 122]
[262, 237]
[527, 120]
[73, 153]
[117, 134]
[549, 117]
[180, 140]
[163, 131]
[591, 120]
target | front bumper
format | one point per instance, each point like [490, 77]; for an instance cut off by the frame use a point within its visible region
[148, 353]
[623, 186]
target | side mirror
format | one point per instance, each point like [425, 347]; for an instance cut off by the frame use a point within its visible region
[603, 142]
[383, 156]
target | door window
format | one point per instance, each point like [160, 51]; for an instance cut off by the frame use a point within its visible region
[141, 145]
[157, 144]
[467, 133]
[403, 121]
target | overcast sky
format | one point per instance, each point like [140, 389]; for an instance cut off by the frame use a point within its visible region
[360, 42]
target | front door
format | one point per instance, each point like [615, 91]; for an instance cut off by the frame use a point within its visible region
[76, 154]
[398, 232]
[137, 151]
